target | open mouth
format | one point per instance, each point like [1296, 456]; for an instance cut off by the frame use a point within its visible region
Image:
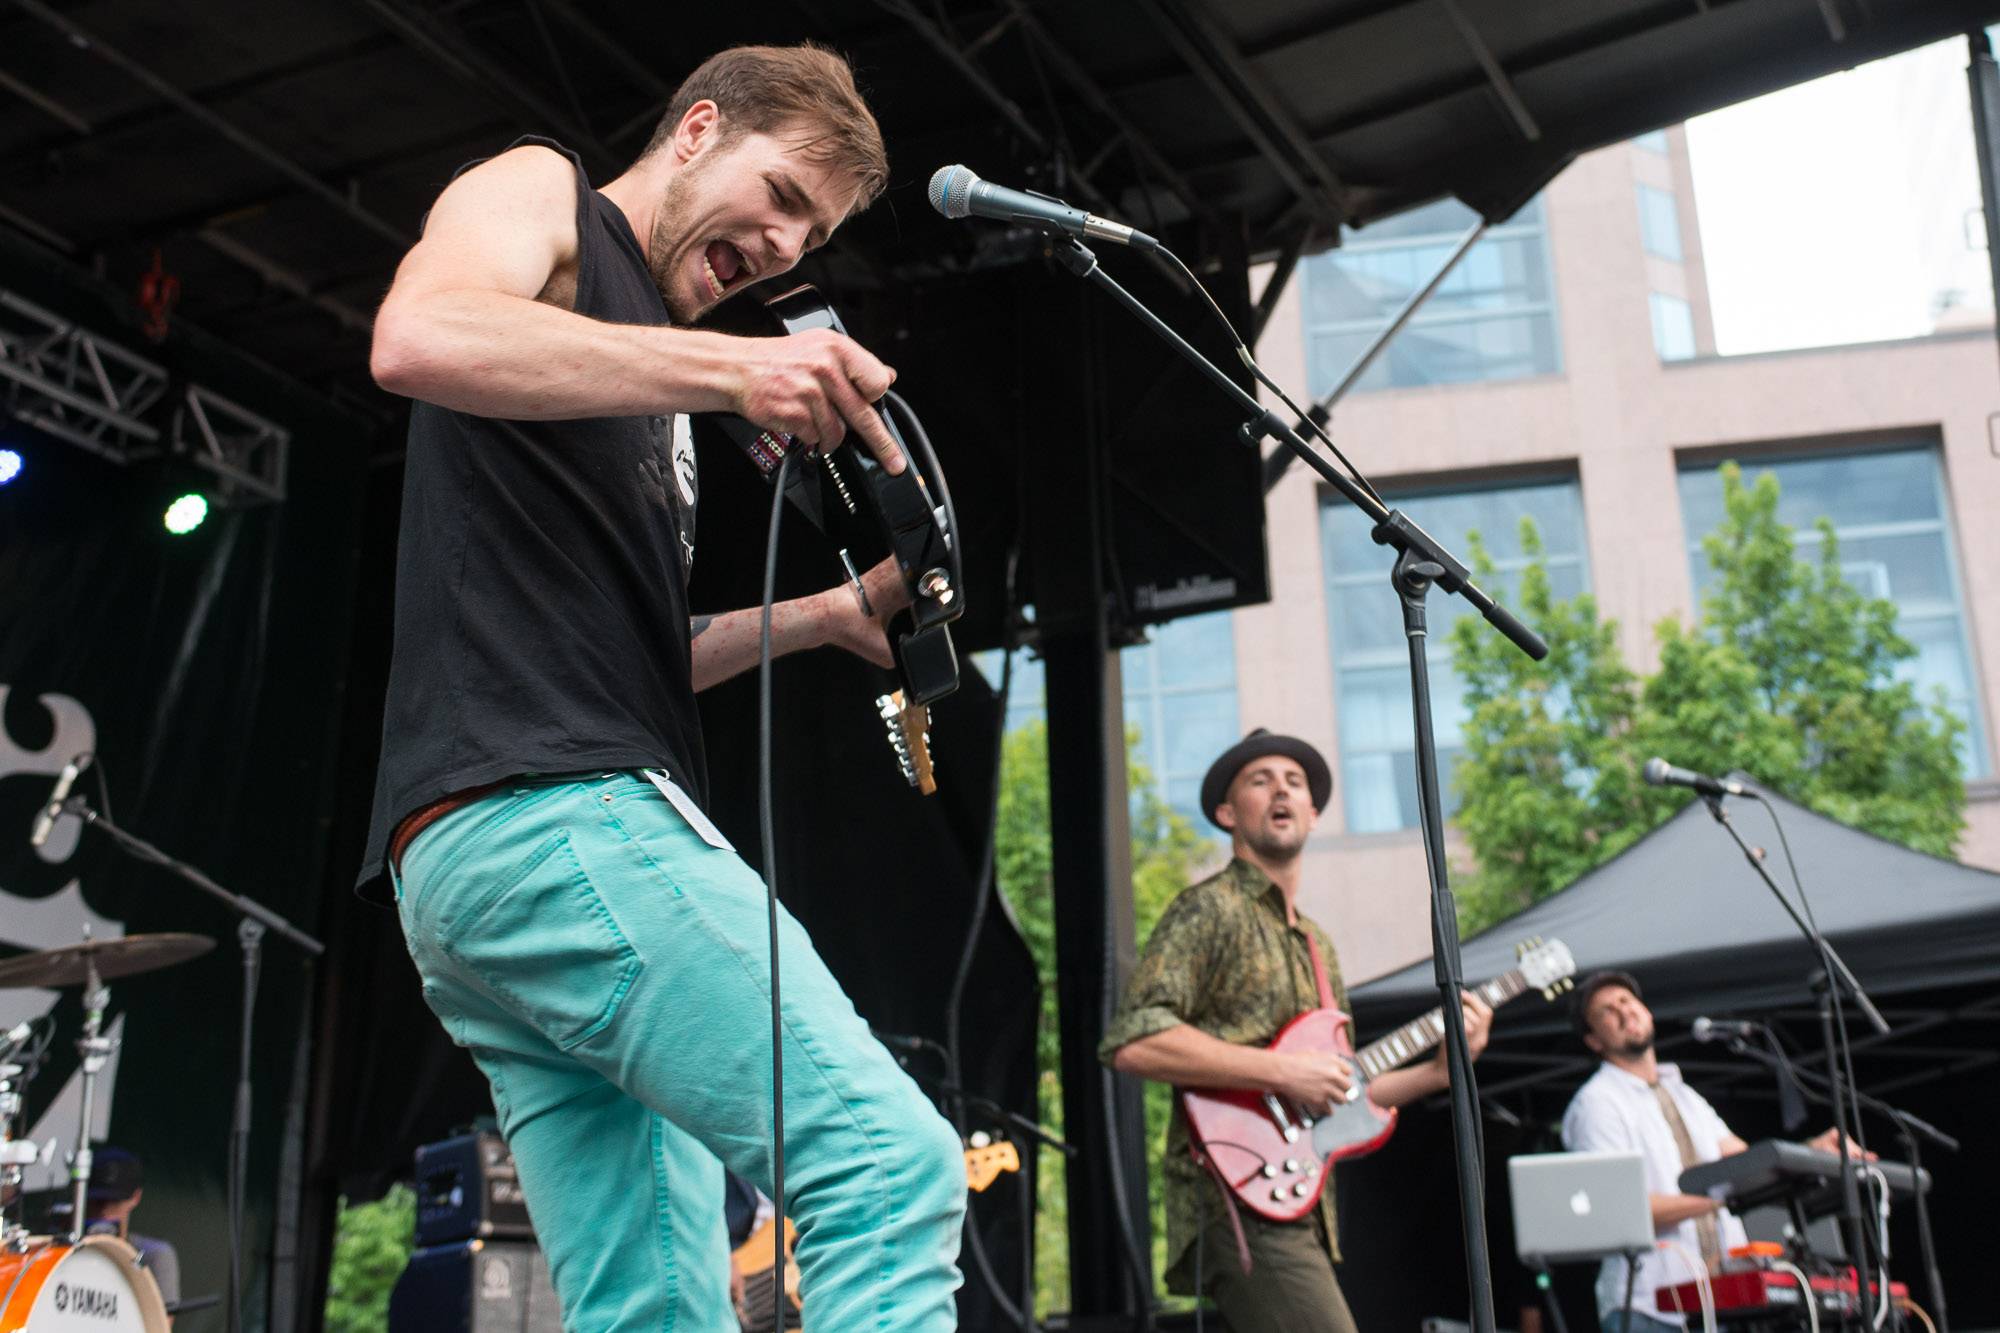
[724, 267]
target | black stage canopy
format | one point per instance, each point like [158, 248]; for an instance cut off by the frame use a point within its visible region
[280, 155]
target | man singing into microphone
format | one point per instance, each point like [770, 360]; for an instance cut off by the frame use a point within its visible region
[579, 924]
[1232, 961]
[1633, 1103]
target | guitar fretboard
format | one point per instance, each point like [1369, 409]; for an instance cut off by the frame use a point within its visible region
[1421, 1034]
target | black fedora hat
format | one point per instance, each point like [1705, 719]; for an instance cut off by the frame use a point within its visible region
[1258, 744]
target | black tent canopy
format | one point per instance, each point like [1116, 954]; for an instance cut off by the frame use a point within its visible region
[1682, 911]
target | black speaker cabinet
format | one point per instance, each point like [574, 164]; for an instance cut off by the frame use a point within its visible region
[476, 1286]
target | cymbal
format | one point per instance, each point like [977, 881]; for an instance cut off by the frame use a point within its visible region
[114, 958]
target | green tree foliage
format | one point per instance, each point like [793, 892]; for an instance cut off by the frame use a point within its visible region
[1789, 676]
[370, 1246]
[1166, 850]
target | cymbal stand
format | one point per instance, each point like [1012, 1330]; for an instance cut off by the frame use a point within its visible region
[95, 1048]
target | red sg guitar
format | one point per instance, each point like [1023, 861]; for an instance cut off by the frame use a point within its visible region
[1274, 1157]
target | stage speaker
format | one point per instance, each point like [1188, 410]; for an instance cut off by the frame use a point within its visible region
[467, 1189]
[476, 1286]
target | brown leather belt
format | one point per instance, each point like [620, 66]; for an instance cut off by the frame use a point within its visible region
[424, 816]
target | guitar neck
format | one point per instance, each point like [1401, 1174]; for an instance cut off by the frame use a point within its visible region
[1422, 1034]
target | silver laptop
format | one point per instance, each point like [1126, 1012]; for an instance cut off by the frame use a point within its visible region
[1579, 1205]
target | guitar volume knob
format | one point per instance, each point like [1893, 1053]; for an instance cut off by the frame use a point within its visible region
[1278, 1194]
[1269, 1172]
[1291, 1166]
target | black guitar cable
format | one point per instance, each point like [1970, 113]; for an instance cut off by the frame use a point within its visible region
[770, 844]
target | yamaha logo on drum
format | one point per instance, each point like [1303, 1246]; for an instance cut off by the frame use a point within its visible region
[86, 1301]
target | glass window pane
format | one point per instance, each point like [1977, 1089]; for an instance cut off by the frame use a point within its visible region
[1659, 223]
[1887, 512]
[1371, 663]
[1489, 318]
[1196, 650]
[1652, 140]
[1673, 327]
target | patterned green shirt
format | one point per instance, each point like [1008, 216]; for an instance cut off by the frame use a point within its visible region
[1222, 960]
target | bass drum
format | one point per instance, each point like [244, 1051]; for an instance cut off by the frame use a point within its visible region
[57, 1287]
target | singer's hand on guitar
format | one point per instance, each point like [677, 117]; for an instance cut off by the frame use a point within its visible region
[1478, 1027]
[817, 385]
[846, 623]
[1315, 1080]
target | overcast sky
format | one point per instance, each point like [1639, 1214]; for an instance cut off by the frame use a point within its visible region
[1834, 211]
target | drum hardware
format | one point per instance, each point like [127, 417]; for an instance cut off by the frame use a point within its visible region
[255, 920]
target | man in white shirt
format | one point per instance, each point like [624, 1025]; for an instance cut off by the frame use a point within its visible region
[1633, 1103]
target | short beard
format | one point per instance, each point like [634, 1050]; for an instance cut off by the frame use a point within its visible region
[669, 225]
[1634, 1049]
[1273, 846]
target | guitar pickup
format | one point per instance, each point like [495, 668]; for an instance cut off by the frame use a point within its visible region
[1285, 1125]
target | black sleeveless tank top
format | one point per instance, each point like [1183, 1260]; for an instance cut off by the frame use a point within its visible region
[541, 613]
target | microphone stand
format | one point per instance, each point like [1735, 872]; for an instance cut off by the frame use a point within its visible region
[250, 930]
[1908, 1127]
[1833, 972]
[1421, 563]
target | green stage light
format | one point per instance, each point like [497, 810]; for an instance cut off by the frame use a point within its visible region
[185, 514]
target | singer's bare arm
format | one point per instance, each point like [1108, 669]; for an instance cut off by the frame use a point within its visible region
[477, 320]
[728, 644]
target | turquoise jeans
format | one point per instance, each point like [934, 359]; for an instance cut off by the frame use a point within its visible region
[609, 971]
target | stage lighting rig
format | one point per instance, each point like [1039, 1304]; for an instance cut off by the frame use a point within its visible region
[81, 388]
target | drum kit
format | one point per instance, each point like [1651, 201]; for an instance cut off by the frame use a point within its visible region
[75, 1281]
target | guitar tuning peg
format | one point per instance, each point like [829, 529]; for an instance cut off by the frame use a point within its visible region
[1548, 993]
[1521, 949]
[1569, 983]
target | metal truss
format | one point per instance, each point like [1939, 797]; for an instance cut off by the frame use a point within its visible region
[73, 385]
[69, 383]
[246, 451]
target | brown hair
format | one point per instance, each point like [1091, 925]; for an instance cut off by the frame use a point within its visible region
[804, 92]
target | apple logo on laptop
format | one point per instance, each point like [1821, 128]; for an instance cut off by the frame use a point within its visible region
[1579, 1203]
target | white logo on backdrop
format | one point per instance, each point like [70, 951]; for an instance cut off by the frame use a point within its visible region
[47, 923]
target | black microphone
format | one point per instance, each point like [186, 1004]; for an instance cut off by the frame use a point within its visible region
[957, 193]
[45, 821]
[1663, 774]
[1711, 1029]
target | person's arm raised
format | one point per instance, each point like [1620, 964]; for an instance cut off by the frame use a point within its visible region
[462, 327]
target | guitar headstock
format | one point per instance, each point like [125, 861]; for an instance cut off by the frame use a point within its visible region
[909, 727]
[1546, 965]
[984, 1163]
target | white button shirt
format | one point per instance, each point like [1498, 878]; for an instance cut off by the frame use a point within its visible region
[1615, 1111]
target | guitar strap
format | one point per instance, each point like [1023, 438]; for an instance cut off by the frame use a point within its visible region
[1319, 971]
[1229, 1202]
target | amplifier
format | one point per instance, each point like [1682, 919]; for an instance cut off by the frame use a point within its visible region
[475, 1286]
[467, 1190]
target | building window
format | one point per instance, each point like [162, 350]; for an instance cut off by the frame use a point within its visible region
[1659, 223]
[1673, 326]
[1493, 317]
[1653, 141]
[1180, 695]
[1371, 659]
[1888, 514]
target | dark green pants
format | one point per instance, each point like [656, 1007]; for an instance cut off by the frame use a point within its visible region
[1290, 1287]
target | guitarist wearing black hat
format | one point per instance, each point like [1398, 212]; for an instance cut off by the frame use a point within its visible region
[1233, 960]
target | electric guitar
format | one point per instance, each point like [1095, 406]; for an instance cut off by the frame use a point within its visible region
[752, 1260]
[1274, 1156]
[867, 513]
